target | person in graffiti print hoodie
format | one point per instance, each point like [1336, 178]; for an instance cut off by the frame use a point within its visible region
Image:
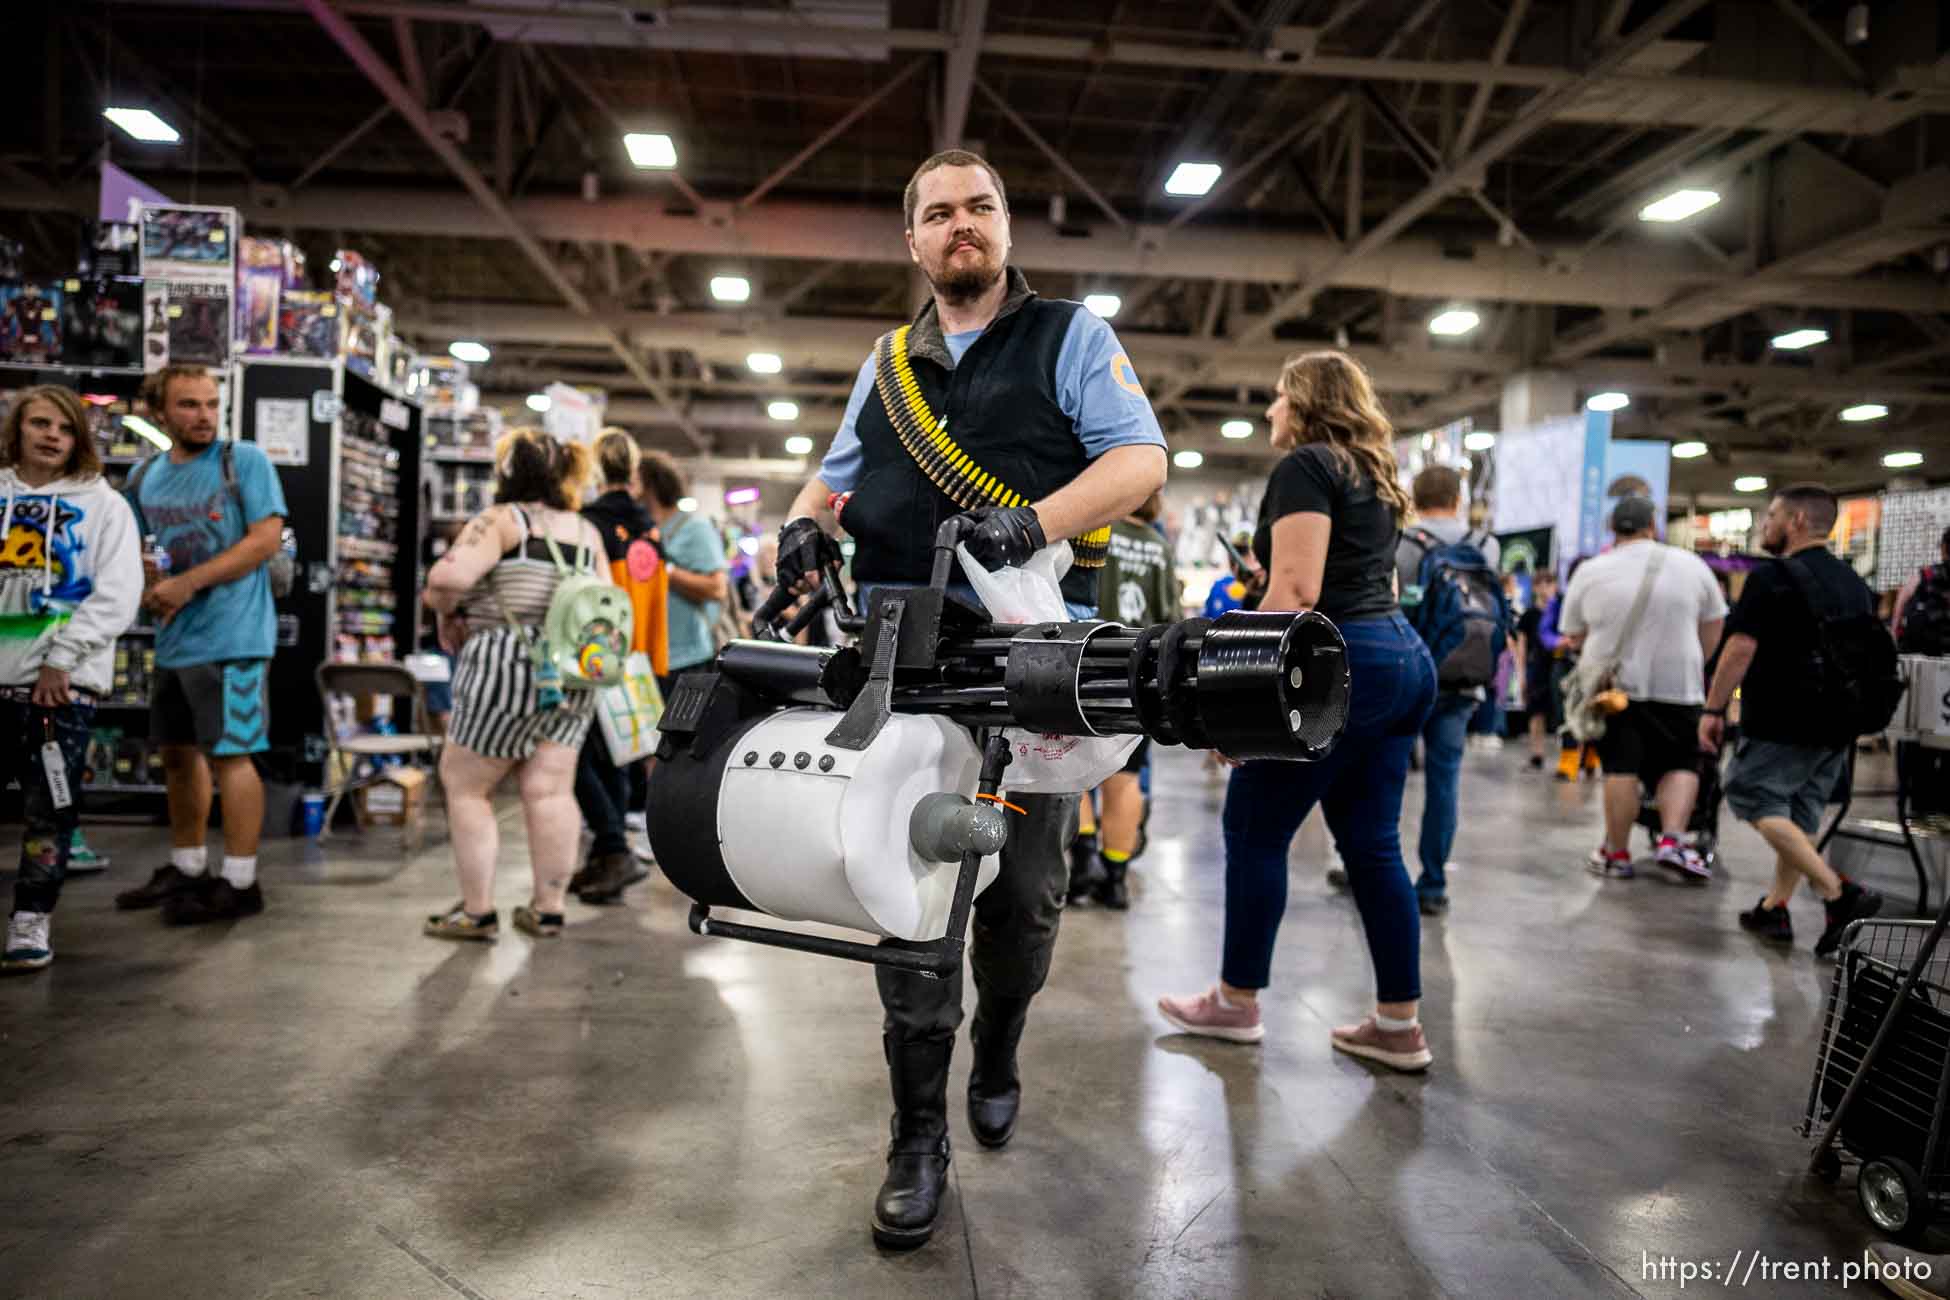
[70, 580]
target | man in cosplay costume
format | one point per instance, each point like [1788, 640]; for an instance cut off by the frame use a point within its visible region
[1023, 413]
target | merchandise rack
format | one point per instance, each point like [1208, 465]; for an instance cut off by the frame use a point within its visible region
[361, 473]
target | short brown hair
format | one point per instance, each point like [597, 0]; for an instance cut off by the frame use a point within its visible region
[1814, 501]
[616, 455]
[658, 475]
[532, 466]
[1437, 488]
[155, 386]
[84, 461]
[949, 158]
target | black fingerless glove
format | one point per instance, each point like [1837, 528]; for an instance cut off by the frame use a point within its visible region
[1000, 538]
[804, 548]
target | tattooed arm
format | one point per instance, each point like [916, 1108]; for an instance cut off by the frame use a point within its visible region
[479, 547]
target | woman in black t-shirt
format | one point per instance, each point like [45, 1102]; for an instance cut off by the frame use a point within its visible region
[1326, 540]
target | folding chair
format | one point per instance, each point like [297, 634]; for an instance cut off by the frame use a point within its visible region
[356, 679]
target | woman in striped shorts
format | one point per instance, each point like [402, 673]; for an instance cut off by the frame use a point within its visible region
[491, 591]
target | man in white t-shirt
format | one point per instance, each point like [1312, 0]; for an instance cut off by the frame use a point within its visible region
[1655, 740]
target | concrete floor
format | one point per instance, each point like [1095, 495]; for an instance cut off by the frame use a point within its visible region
[320, 1102]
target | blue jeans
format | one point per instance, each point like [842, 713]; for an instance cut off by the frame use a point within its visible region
[1443, 737]
[1359, 787]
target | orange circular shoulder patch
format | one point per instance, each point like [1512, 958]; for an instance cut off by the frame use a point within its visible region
[1124, 376]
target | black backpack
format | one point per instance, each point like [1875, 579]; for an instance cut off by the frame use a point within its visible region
[1926, 619]
[1457, 607]
[1857, 680]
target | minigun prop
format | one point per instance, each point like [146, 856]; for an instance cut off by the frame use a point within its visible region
[862, 786]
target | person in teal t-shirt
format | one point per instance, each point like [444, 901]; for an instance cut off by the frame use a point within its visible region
[210, 704]
[695, 555]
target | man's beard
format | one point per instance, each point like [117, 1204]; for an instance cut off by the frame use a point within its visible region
[959, 285]
[1774, 545]
[189, 438]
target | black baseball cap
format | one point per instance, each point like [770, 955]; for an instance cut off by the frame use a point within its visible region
[1633, 515]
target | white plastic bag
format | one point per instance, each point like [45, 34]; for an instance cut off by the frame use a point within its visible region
[629, 712]
[1043, 763]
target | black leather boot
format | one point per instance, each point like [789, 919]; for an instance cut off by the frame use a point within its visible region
[994, 1091]
[1085, 875]
[917, 1158]
[1114, 893]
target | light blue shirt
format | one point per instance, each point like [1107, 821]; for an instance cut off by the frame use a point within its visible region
[1092, 374]
[196, 518]
[693, 544]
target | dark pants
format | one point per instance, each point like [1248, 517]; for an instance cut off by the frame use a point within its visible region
[602, 792]
[1359, 787]
[47, 831]
[1015, 925]
[1443, 741]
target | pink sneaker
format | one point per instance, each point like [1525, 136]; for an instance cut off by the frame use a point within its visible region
[1398, 1049]
[1206, 1014]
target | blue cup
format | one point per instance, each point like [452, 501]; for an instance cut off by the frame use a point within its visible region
[314, 810]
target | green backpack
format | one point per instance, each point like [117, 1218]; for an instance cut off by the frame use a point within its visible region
[585, 636]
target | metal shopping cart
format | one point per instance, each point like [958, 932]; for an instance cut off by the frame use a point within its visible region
[1882, 1074]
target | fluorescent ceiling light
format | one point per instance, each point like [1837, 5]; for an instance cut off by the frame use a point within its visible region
[1688, 450]
[1193, 178]
[1750, 483]
[1457, 320]
[470, 351]
[764, 363]
[1606, 402]
[1236, 429]
[1902, 460]
[1679, 205]
[1187, 459]
[1103, 304]
[798, 445]
[142, 428]
[730, 288]
[1479, 441]
[1794, 340]
[651, 150]
[782, 410]
[143, 125]
[1866, 411]
[539, 402]
[742, 496]
[687, 504]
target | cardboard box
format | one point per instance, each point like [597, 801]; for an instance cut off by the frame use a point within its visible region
[397, 798]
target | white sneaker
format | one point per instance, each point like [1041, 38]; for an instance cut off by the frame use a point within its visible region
[637, 822]
[28, 947]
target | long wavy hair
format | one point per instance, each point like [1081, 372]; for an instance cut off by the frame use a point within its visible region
[1331, 400]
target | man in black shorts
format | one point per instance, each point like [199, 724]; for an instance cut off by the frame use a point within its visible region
[1650, 613]
[1793, 750]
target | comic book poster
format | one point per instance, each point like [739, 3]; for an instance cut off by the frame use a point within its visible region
[30, 322]
[101, 321]
[189, 244]
[199, 324]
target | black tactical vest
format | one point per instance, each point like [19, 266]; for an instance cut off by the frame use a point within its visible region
[1001, 408]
